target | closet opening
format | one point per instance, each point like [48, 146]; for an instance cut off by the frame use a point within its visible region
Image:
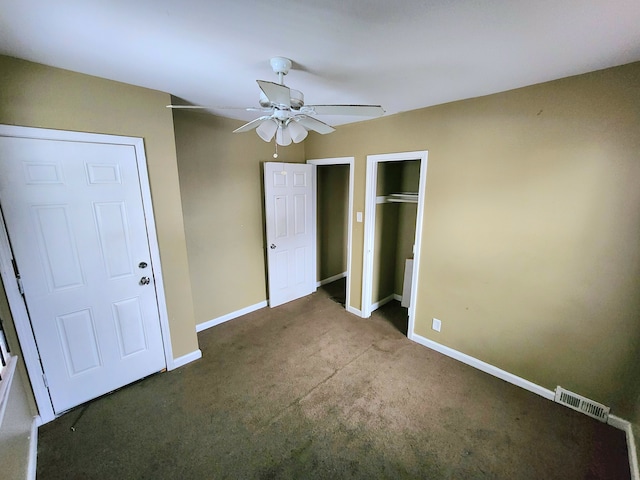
[393, 223]
[334, 206]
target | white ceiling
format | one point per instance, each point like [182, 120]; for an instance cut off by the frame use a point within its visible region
[403, 55]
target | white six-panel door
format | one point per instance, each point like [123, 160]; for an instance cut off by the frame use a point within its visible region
[76, 224]
[291, 242]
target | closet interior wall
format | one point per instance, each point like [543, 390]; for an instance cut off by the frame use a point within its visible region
[333, 205]
[395, 227]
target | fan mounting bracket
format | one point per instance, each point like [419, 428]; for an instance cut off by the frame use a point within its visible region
[280, 65]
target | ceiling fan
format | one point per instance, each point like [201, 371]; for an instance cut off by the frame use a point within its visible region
[286, 116]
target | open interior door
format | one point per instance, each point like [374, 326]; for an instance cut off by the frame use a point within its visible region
[291, 230]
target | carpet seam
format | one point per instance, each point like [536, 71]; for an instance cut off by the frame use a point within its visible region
[302, 397]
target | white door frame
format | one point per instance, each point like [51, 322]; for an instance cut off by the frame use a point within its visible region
[16, 301]
[370, 224]
[340, 161]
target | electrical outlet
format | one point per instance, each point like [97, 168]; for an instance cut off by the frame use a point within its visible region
[436, 324]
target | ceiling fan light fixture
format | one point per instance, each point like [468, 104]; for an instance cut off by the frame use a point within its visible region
[266, 130]
[297, 131]
[283, 136]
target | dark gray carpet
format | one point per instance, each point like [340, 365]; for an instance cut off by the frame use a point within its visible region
[307, 391]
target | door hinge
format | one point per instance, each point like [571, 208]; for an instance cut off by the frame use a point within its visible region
[44, 378]
[18, 278]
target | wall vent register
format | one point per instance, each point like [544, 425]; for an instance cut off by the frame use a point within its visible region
[582, 404]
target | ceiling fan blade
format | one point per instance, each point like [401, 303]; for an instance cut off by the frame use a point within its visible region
[246, 109]
[186, 106]
[364, 110]
[276, 93]
[314, 124]
[251, 125]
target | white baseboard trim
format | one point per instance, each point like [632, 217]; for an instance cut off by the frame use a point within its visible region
[188, 358]
[354, 310]
[626, 426]
[532, 387]
[332, 279]
[33, 449]
[384, 301]
[397, 297]
[485, 367]
[618, 423]
[230, 316]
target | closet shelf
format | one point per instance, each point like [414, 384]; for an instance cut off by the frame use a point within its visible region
[403, 197]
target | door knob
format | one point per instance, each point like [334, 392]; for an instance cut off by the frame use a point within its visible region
[145, 281]
[272, 246]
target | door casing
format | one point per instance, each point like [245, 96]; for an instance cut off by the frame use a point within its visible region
[370, 222]
[16, 301]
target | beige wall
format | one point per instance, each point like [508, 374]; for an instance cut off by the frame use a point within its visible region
[389, 180]
[384, 251]
[333, 205]
[530, 241]
[407, 216]
[222, 196]
[39, 96]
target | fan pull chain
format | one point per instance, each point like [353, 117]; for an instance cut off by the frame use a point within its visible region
[275, 155]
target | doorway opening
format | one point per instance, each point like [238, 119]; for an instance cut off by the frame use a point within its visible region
[394, 208]
[334, 207]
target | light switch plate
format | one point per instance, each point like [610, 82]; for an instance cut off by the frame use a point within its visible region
[359, 217]
[436, 324]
